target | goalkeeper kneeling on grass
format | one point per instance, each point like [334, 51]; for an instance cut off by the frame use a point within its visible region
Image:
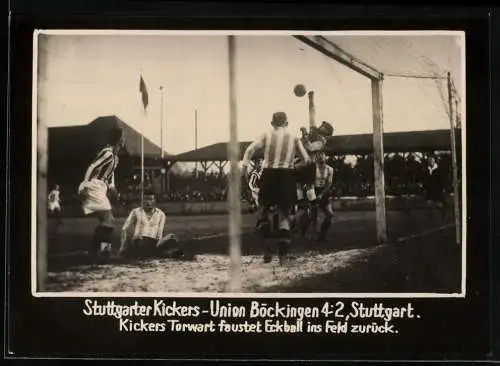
[142, 233]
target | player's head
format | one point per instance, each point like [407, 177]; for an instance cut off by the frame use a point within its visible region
[325, 129]
[279, 119]
[149, 199]
[115, 137]
[257, 163]
[56, 187]
[431, 161]
[322, 157]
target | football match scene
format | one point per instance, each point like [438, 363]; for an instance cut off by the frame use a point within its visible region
[249, 163]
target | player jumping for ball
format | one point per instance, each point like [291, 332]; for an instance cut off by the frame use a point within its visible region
[314, 141]
[277, 185]
[98, 183]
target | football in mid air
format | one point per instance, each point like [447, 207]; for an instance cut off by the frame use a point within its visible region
[299, 90]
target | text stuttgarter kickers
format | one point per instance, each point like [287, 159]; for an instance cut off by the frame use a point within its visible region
[219, 316]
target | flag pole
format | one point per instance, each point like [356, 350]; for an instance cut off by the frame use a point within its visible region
[234, 178]
[161, 122]
[142, 170]
[196, 140]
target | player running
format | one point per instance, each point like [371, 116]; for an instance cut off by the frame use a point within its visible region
[277, 184]
[97, 185]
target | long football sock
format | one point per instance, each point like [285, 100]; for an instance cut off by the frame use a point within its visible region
[323, 230]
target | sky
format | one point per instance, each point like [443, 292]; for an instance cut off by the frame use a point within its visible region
[82, 77]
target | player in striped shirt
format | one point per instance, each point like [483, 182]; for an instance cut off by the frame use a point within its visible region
[253, 182]
[277, 184]
[142, 232]
[97, 184]
[322, 188]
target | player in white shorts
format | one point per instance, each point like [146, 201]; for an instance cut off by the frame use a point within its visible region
[97, 185]
[54, 202]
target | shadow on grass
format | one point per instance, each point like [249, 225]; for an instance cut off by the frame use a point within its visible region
[428, 264]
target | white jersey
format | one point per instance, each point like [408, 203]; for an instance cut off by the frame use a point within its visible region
[142, 225]
[324, 176]
[54, 200]
[54, 196]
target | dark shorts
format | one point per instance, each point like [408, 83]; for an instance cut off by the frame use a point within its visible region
[147, 248]
[306, 174]
[323, 201]
[277, 187]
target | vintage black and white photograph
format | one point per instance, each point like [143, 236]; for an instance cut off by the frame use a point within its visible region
[249, 163]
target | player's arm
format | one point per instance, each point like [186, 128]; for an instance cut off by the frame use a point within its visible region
[112, 187]
[252, 182]
[161, 226]
[249, 152]
[302, 151]
[112, 182]
[312, 109]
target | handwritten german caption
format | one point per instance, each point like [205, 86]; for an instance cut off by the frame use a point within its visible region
[335, 317]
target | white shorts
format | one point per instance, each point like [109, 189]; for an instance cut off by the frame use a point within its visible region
[96, 198]
[310, 194]
[54, 206]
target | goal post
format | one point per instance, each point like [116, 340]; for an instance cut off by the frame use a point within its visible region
[234, 176]
[336, 53]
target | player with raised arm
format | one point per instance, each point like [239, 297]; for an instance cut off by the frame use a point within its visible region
[99, 183]
[277, 185]
[314, 141]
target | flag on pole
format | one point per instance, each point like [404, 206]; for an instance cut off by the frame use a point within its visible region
[144, 93]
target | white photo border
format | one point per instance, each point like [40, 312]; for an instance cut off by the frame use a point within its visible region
[34, 167]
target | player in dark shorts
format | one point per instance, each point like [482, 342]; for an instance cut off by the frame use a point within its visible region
[434, 184]
[277, 184]
[435, 188]
[322, 190]
[314, 142]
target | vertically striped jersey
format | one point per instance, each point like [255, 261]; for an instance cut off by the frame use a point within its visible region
[280, 148]
[324, 176]
[253, 181]
[104, 165]
[143, 225]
